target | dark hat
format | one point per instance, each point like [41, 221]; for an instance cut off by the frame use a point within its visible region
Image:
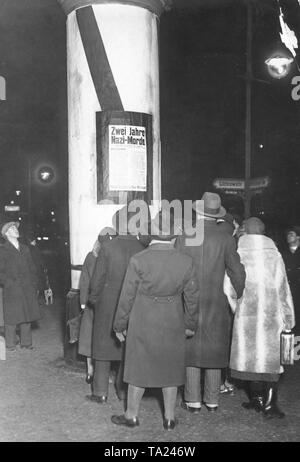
[295, 229]
[106, 233]
[165, 226]
[5, 227]
[254, 225]
[212, 206]
[122, 220]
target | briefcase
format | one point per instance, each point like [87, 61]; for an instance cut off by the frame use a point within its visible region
[286, 348]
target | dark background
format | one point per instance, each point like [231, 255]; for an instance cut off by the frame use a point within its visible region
[202, 84]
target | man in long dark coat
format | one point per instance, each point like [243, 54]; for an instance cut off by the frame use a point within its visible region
[291, 258]
[209, 348]
[19, 281]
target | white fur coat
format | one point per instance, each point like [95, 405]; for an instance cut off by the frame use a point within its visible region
[265, 309]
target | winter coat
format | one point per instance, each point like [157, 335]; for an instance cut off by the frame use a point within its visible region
[151, 306]
[210, 346]
[1, 308]
[19, 280]
[265, 309]
[105, 288]
[86, 276]
[292, 267]
[37, 258]
[87, 319]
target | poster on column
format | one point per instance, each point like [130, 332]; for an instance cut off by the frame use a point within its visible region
[127, 158]
[124, 156]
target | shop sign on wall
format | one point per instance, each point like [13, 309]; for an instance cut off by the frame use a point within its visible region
[127, 158]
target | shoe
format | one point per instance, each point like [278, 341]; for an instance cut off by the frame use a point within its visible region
[270, 408]
[256, 397]
[170, 424]
[27, 347]
[97, 399]
[273, 413]
[255, 403]
[192, 410]
[226, 389]
[11, 348]
[89, 378]
[122, 420]
[211, 408]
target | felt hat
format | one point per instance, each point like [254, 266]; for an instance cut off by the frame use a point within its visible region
[5, 227]
[212, 206]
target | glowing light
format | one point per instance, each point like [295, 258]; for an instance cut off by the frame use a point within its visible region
[12, 202]
[18, 193]
[279, 66]
[46, 174]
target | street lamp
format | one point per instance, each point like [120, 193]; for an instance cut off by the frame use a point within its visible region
[279, 65]
[45, 174]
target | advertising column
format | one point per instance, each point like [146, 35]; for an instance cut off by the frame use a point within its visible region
[113, 113]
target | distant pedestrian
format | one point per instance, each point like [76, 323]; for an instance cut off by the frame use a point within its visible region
[38, 260]
[209, 348]
[87, 320]
[19, 280]
[152, 313]
[291, 258]
[264, 311]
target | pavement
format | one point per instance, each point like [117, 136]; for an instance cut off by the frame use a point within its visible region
[42, 399]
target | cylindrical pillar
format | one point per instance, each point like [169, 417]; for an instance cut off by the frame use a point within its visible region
[112, 61]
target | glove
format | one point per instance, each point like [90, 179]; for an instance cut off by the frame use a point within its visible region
[121, 336]
[189, 333]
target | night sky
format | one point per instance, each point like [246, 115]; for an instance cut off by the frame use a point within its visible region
[202, 67]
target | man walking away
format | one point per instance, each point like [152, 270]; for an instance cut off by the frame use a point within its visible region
[209, 348]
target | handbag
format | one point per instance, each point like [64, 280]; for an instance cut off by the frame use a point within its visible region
[74, 328]
[286, 348]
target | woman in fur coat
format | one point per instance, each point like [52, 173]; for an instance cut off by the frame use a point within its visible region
[262, 313]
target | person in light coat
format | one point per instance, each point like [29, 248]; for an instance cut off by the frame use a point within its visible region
[263, 312]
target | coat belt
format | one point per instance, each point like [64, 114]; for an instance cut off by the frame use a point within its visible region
[161, 299]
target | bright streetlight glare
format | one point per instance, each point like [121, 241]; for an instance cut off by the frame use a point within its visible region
[279, 66]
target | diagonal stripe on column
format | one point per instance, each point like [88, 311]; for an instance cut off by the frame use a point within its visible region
[104, 82]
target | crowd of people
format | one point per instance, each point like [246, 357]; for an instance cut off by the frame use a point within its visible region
[172, 314]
